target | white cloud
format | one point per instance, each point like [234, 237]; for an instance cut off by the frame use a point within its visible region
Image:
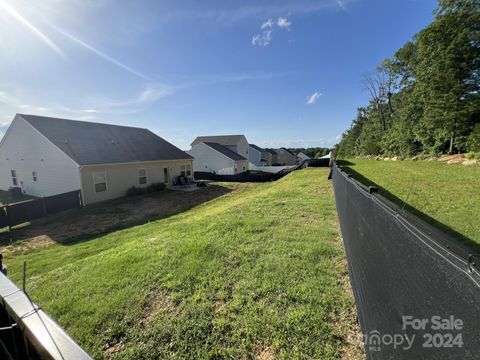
[16, 101]
[262, 39]
[284, 23]
[267, 24]
[265, 37]
[299, 7]
[341, 5]
[312, 99]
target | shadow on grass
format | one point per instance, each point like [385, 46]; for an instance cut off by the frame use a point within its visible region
[469, 243]
[80, 225]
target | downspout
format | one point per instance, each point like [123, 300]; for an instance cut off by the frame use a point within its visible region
[80, 168]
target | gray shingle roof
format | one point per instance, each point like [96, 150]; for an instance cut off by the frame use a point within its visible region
[89, 143]
[225, 151]
[219, 139]
[258, 148]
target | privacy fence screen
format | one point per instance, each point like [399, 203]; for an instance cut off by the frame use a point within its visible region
[23, 211]
[417, 291]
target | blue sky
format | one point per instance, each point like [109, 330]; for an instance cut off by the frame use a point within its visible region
[284, 73]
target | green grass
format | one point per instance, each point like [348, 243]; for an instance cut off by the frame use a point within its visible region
[257, 272]
[446, 195]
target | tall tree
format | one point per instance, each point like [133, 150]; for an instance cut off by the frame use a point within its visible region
[447, 72]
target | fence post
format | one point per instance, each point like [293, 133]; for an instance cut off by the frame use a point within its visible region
[44, 205]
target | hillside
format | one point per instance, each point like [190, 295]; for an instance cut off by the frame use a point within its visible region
[257, 273]
[446, 195]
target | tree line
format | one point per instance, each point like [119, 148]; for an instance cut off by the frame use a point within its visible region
[426, 98]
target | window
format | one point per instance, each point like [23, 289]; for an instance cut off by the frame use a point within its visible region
[166, 177]
[186, 170]
[34, 175]
[142, 176]
[14, 177]
[100, 181]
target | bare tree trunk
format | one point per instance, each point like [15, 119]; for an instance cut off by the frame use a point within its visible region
[450, 151]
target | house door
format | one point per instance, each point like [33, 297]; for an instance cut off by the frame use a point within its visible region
[166, 176]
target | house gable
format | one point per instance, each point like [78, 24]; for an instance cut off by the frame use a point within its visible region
[26, 150]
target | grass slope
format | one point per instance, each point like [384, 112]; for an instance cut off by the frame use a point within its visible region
[447, 194]
[256, 273]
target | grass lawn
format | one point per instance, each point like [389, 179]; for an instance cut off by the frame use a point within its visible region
[259, 272]
[447, 195]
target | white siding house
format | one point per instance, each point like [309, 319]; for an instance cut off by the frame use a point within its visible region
[217, 159]
[236, 143]
[255, 155]
[49, 156]
[41, 168]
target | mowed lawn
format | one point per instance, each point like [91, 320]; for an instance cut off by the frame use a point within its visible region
[258, 273]
[447, 193]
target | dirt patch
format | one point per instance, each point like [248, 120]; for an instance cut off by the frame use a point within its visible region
[266, 353]
[452, 159]
[157, 301]
[107, 216]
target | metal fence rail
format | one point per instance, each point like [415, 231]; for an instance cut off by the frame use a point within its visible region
[26, 332]
[417, 291]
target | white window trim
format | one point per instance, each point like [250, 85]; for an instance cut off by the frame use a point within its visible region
[166, 179]
[138, 176]
[186, 168]
[14, 177]
[106, 182]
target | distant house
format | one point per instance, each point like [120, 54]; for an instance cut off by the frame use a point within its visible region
[47, 156]
[273, 156]
[285, 157]
[236, 143]
[259, 156]
[216, 158]
[302, 157]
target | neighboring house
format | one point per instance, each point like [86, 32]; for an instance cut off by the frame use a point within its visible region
[273, 156]
[258, 156]
[47, 156]
[216, 158]
[236, 143]
[255, 154]
[302, 157]
[285, 157]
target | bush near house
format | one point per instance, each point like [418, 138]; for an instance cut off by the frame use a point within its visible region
[135, 191]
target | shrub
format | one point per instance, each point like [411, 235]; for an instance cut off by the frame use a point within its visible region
[156, 187]
[473, 142]
[135, 191]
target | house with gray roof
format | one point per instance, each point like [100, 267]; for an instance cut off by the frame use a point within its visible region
[47, 156]
[216, 158]
[259, 156]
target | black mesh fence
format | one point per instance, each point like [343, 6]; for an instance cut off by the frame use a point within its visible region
[417, 291]
[259, 176]
[61, 202]
[24, 211]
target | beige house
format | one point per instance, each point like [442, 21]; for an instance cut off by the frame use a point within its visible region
[46, 156]
[285, 157]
